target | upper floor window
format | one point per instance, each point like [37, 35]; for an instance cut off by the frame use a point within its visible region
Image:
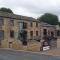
[24, 25]
[36, 24]
[20, 26]
[1, 21]
[11, 22]
[1, 35]
[31, 24]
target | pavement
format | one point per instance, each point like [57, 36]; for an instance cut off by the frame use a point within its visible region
[7, 54]
[53, 52]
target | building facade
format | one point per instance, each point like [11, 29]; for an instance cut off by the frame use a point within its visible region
[14, 29]
[47, 29]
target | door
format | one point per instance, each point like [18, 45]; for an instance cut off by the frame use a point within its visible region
[24, 37]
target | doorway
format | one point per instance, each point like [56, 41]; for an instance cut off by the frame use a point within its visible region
[23, 37]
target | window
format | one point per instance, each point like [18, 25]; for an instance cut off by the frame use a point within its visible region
[52, 33]
[58, 33]
[1, 21]
[24, 25]
[45, 31]
[11, 22]
[12, 34]
[31, 33]
[31, 24]
[36, 33]
[1, 35]
[36, 24]
[20, 26]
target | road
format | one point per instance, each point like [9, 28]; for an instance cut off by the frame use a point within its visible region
[20, 55]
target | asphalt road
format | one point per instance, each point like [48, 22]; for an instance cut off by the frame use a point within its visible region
[20, 55]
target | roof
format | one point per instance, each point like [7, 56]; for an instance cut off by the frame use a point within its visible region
[15, 16]
[46, 24]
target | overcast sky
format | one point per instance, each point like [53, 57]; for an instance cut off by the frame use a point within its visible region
[32, 8]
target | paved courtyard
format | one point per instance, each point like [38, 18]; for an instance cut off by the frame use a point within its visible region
[20, 55]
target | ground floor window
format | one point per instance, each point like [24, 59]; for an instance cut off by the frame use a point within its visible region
[44, 32]
[1, 35]
[52, 33]
[11, 33]
[36, 33]
[58, 33]
[31, 33]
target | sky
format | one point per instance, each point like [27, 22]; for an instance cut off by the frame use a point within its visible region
[32, 8]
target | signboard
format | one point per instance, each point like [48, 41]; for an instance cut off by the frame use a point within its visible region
[45, 46]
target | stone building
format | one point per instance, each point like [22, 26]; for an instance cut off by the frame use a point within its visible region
[12, 26]
[58, 31]
[47, 29]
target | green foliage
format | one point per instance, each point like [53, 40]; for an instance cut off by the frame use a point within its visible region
[59, 23]
[6, 10]
[49, 18]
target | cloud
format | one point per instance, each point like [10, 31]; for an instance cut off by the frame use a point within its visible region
[32, 8]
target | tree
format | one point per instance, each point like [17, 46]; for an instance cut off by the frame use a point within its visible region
[6, 10]
[59, 23]
[49, 18]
